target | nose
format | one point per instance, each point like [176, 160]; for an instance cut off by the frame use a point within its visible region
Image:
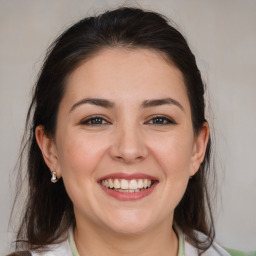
[129, 145]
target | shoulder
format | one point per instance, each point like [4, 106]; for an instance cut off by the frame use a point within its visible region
[61, 249]
[214, 250]
[240, 253]
[20, 253]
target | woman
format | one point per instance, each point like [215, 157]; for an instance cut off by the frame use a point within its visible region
[119, 147]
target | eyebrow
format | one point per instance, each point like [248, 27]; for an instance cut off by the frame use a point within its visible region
[109, 104]
[97, 102]
[159, 102]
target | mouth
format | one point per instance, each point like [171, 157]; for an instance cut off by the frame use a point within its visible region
[128, 187]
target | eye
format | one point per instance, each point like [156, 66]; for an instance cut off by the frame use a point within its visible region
[161, 120]
[94, 121]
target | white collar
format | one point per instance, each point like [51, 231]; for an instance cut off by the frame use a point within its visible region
[68, 247]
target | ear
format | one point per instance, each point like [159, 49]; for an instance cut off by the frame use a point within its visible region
[199, 148]
[48, 149]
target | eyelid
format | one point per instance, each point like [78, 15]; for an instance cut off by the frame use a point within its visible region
[170, 120]
[86, 120]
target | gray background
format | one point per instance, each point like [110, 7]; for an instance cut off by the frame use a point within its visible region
[222, 34]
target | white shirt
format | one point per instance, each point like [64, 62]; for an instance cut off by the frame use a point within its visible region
[68, 247]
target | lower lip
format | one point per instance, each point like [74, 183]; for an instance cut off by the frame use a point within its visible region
[129, 196]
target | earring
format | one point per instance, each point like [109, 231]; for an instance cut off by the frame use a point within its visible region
[54, 178]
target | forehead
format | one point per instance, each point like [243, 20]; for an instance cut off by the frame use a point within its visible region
[130, 73]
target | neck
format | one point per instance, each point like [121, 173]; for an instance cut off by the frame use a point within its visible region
[92, 240]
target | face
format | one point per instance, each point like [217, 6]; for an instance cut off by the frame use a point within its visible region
[124, 142]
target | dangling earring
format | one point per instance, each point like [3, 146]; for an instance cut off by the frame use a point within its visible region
[54, 178]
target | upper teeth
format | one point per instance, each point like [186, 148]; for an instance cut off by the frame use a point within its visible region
[126, 184]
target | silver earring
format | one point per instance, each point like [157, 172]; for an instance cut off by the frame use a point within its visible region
[54, 178]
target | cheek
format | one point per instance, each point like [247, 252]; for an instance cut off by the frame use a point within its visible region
[175, 161]
[79, 154]
[173, 154]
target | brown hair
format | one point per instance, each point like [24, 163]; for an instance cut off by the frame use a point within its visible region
[20, 253]
[48, 210]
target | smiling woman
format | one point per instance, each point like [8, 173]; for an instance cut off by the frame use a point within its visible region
[111, 152]
[117, 119]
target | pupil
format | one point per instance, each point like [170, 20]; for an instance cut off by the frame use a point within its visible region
[96, 121]
[158, 120]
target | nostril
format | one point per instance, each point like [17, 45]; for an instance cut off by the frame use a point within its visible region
[128, 158]
[128, 146]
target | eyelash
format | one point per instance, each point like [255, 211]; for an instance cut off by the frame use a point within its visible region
[164, 120]
[99, 121]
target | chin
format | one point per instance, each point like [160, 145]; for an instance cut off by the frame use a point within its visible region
[130, 228]
[130, 222]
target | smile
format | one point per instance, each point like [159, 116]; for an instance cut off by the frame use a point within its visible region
[127, 186]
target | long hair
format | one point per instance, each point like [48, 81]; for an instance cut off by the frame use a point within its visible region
[49, 211]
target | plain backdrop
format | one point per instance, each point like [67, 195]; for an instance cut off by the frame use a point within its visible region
[221, 33]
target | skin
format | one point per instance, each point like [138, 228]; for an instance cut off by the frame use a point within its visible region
[128, 139]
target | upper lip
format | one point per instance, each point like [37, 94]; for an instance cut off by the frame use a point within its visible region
[127, 176]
